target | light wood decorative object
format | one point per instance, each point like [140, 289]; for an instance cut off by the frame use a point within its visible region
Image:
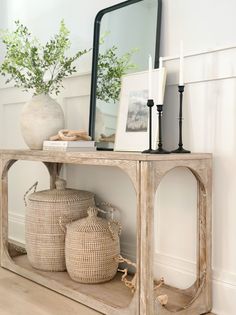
[113, 297]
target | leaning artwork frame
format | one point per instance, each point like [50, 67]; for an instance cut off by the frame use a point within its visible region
[133, 115]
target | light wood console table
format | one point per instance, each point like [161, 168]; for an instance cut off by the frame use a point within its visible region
[145, 172]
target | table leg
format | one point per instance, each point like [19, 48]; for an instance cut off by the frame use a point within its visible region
[147, 240]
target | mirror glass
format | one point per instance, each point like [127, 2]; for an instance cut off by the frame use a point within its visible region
[127, 36]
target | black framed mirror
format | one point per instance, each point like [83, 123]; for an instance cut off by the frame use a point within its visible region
[125, 35]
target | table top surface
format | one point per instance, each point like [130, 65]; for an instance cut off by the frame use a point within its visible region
[44, 155]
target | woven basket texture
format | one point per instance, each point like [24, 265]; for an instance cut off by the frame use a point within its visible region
[92, 246]
[45, 241]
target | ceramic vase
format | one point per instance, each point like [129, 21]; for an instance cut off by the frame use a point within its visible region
[41, 118]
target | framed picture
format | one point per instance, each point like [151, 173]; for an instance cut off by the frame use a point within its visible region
[132, 132]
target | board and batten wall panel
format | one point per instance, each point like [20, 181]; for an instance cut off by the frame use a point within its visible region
[209, 126]
[209, 112]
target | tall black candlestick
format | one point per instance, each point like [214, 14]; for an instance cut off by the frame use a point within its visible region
[150, 104]
[180, 148]
[160, 149]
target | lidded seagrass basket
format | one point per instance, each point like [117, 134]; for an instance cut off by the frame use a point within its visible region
[45, 241]
[92, 248]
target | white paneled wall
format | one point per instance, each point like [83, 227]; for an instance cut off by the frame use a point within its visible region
[209, 111]
[209, 126]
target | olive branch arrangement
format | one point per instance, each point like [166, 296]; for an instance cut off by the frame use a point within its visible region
[37, 67]
[110, 69]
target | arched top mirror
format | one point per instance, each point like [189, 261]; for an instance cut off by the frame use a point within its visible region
[124, 36]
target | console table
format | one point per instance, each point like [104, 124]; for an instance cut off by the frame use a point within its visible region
[146, 172]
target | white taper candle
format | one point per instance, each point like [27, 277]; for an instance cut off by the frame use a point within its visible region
[161, 86]
[160, 62]
[150, 77]
[181, 64]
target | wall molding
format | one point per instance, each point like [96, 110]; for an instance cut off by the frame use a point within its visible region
[181, 265]
[200, 81]
[203, 66]
[16, 217]
[16, 226]
[4, 86]
[200, 52]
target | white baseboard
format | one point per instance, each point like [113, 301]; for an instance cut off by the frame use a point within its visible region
[17, 227]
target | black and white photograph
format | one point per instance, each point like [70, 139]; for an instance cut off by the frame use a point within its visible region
[133, 115]
[137, 118]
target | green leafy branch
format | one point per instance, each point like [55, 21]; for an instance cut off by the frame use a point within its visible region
[111, 68]
[29, 63]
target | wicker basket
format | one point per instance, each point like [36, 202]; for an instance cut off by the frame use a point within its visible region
[45, 241]
[92, 248]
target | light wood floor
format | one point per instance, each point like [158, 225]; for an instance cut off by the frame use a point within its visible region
[19, 296]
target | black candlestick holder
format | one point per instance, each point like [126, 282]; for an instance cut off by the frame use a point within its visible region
[150, 104]
[160, 149]
[181, 148]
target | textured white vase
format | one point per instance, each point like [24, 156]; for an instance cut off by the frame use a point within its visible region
[41, 118]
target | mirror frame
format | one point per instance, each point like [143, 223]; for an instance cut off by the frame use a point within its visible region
[97, 24]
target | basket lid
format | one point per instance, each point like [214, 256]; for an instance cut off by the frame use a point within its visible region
[92, 223]
[60, 194]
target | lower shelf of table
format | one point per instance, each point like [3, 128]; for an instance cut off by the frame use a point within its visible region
[177, 299]
[106, 297]
[112, 297]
